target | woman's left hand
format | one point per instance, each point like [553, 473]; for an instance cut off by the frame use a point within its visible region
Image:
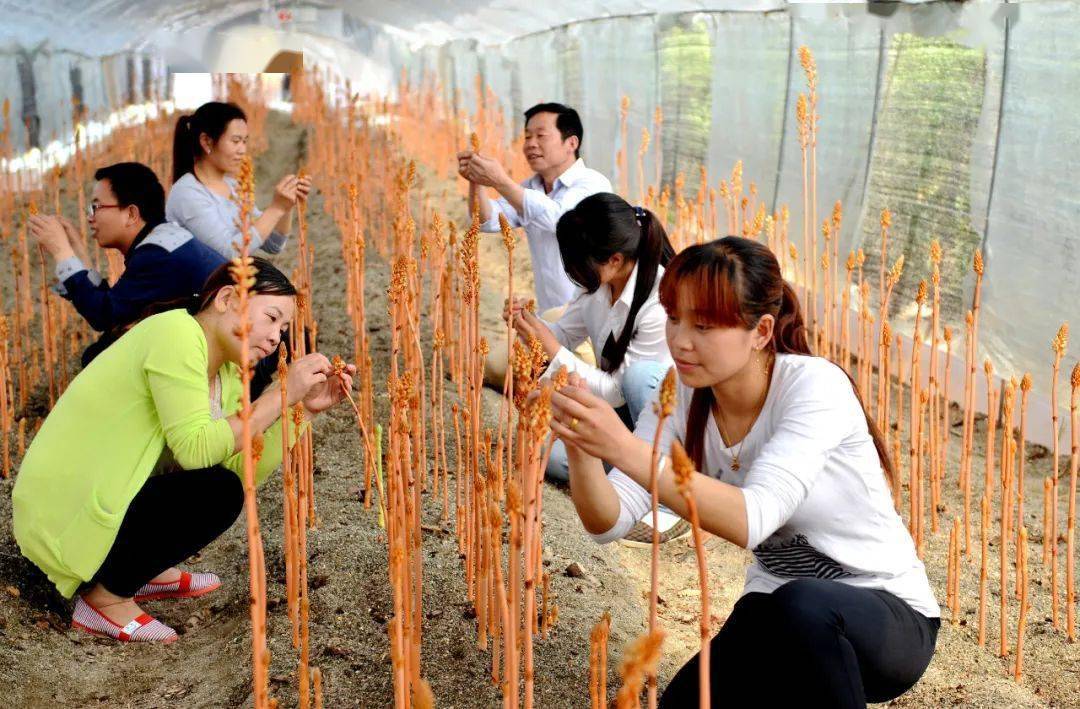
[329, 393]
[582, 419]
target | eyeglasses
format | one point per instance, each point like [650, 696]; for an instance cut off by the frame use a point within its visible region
[91, 209]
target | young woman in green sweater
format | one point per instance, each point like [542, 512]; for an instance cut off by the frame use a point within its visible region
[138, 466]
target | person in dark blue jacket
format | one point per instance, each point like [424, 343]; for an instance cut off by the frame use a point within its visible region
[162, 261]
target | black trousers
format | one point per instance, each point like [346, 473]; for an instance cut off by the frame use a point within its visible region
[172, 517]
[812, 643]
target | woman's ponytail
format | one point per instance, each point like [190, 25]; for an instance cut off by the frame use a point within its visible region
[654, 250]
[789, 330]
[183, 153]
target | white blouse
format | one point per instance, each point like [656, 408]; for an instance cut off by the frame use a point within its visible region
[593, 316]
[817, 502]
[540, 214]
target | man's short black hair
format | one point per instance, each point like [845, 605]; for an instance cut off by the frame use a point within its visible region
[567, 121]
[135, 184]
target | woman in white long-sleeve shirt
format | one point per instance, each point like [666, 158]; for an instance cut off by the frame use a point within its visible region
[208, 148]
[616, 255]
[837, 610]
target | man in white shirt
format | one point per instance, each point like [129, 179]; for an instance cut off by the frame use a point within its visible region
[552, 147]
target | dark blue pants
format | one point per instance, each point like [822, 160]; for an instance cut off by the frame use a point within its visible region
[812, 643]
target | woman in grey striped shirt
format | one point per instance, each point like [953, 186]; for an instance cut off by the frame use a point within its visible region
[837, 610]
[208, 149]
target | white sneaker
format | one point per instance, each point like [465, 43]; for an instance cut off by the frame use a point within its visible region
[670, 525]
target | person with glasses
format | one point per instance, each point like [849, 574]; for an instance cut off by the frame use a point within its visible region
[162, 261]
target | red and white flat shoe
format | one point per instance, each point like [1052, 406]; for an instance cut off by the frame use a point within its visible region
[187, 586]
[142, 629]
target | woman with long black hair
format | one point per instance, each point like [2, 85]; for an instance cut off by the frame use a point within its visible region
[837, 610]
[616, 254]
[208, 148]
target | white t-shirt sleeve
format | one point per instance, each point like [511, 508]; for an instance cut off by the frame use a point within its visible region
[500, 206]
[635, 500]
[814, 415]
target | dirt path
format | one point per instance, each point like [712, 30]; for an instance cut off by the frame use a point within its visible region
[46, 665]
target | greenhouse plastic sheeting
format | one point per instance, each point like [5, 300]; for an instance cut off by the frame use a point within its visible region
[627, 44]
[927, 112]
[1032, 240]
[963, 129]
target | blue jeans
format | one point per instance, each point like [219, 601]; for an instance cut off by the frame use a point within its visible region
[639, 385]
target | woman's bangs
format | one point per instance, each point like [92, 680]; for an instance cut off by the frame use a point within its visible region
[705, 290]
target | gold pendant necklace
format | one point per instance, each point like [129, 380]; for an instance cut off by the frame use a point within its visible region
[735, 465]
[734, 456]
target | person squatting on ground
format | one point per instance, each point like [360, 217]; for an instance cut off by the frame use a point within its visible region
[615, 254]
[162, 261]
[209, 147]
[836, 610]
[139, 464]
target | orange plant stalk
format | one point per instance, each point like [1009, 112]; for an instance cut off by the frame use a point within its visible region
[991, 425]
[825, 336]
[943, 448]
[1074, 462]
[932, 383]
[803, 125]
[243, 273]
[949, 570]
[969, 387]
[984, 506]
[885, 222]
[883, 315]
[899, 400]
[964, 480]
[288, 502]
[598, 662]
[916, 470]
[6, 413]
[834, 259]
[665, 409]
[684, 474]
[1025, 389]
[806, 59]
[1059, 345]
[508, 383]
[642, 150]
[639, 661]
[916, 411]
[954, 560]
[1007, 449]
[845, 310]
[1021, 623]
[1047, 485]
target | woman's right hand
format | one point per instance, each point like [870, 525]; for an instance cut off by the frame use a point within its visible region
[304, 374]
[286, 192]
[512, 309]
